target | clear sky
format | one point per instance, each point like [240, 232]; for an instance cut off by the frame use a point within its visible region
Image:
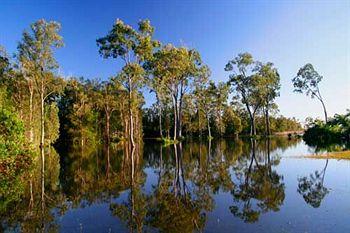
[287, 33]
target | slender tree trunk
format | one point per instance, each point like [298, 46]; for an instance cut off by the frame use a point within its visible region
[125, 123]
[254, 126]
[209, 131]
[179, 111]
[324, 110]
[252, 121]
[132, 190]
[108, 162]
[324, 171]
[160, 122]
[131, 115]
[177, 173]
[179, 117]
[132, 164]
[179, 122]
[175, 117]
[267, 119]
[42, 120]
[199, 124]
[107, 127]
[31, 133]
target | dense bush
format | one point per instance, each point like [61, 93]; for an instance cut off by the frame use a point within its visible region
[15, 158]
[334, 133]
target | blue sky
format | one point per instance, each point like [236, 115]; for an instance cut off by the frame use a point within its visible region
[287, 33]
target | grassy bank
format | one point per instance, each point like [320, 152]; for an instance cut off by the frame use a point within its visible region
[331, 155]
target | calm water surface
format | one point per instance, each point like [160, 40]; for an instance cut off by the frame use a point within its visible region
[222, 186]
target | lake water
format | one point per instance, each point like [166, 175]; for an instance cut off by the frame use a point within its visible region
[221, 186]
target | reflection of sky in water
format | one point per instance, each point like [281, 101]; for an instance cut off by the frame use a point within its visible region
[295, 215]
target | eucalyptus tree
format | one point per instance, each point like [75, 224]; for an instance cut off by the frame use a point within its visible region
[307, 81]
[245, 84]
[36, 55]
[106, 98]
[176, 69]
[221, 91]
[162, 97]
[78, 112]
[270, 86]
[134, 47]
[203, 98]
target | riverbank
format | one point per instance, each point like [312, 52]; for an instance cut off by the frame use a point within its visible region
[330, 155]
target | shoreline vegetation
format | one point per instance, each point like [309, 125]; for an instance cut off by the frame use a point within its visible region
[289, 134]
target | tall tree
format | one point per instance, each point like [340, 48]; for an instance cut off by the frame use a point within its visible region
[270, 81]
[203, 97]
[307, 81]
[162, 99]
[36, 55]
[245, 83]
[134, 47]
[106, 98]
[176, 68]
[220, 103]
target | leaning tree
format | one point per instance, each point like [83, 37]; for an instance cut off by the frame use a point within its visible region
[307, 81]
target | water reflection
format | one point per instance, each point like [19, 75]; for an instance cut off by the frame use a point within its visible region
[259, 188]
[155, 188]
[311, 187]
[33, 211]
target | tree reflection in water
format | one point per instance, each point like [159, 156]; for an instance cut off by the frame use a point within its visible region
[259, 189]
[133, 210]
[311, 187]
[173, 207]
[33, 212]
[189, 175]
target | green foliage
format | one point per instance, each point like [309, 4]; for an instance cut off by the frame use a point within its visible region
[232, 122]
[176, 70]
[15, 158]
[52, 124]
[333, 135]
[36, 47]
[11, 134]
[77, 113]
[255, 83]
[307, 81]
[135, 48]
